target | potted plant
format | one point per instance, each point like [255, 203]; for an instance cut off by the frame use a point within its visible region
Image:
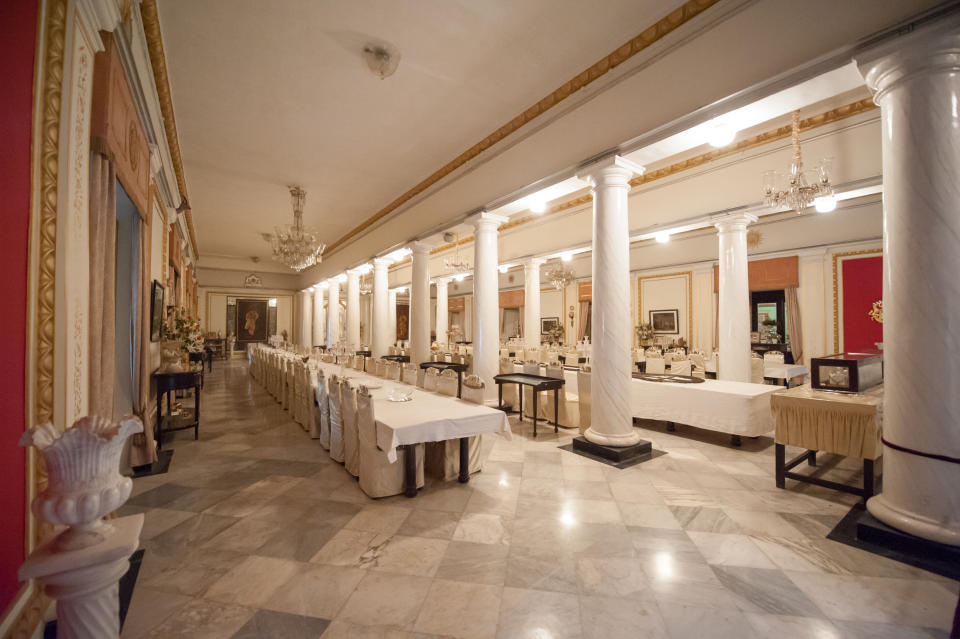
[644, 334]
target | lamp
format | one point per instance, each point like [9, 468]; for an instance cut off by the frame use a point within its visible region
[798, 188]
[295, 245]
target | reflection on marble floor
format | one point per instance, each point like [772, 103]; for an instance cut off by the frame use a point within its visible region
[256, 532]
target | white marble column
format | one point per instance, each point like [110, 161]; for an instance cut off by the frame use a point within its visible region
[319, 319]
[612, 334]
[916, 80]
[333, 312]
[420, 304]
[486, 303]
[306, 326]
[381, 320]
[442, 314]
[531, 302]
[353, 309]
[733, 299]
[392, 317]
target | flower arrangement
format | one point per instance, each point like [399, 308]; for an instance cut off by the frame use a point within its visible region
[555, 334]
[644, 333]
[876, 313]
[183, 328]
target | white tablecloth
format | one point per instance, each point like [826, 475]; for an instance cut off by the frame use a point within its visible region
[783, 371]
[738, 408]
[428, 417]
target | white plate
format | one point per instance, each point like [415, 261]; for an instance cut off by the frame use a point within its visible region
[390, 398]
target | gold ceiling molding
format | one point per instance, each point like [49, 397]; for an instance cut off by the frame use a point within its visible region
[618, 56]
[814, 121]
[158, 61]
[821, 119]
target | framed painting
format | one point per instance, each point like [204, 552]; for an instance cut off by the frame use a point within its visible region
[156, 310]
[665, 322]
[548, 324]
[251, 320]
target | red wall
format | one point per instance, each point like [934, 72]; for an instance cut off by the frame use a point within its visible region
[862, 286]
[18, 27]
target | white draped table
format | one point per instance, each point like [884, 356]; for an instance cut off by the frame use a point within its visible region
[737, 408]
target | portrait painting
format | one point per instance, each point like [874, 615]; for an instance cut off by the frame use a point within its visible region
[665, 322]
[156, 311]
[251, 320]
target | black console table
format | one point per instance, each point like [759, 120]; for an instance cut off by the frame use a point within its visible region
[168, 383]
[538, 383]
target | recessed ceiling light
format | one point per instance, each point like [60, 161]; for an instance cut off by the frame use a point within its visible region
[538, 206]
[721, 134]
[825, 203]
[566, 257]
[662, 238]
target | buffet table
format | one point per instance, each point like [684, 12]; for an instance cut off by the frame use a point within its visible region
[847, 424]
[737, 408]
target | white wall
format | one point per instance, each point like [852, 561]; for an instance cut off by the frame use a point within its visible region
[213, 307]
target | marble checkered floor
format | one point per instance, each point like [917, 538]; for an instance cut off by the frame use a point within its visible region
[256, 533]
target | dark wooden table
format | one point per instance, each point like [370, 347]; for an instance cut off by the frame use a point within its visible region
[403, 359]
[456, 366]
[537, 383]
[166, 384]
[202, 356]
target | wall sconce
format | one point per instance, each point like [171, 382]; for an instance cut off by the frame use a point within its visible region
[570, 315]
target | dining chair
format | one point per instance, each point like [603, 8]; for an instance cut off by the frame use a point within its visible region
[409, 374]
[443, 458]
[336, 420]
[348, 410]
[379, 477]
[447, 382]
[430, 379]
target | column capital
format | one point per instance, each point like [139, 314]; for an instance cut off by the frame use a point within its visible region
[485, 221]
[933, 48]
[442, 281]
[381, 263]
[419, 248]
[533, 262]
[613, 170]
[733, 221]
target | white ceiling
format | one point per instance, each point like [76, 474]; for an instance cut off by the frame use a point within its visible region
[274, 93]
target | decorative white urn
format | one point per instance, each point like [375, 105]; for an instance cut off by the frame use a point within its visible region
[171, 357]
[84, 481]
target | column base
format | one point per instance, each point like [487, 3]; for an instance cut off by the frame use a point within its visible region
[629, 438]
[909, 523]
[639, 451]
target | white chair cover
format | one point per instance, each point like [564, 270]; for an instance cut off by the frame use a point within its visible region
[336, 420]
[321, 422]
[430, 379]
[380, 368]
[774, 357]
[421, 375]
[680, 367]
[654, 365]
[530, 367]
[443, 458]
[348, 409]
[583, 398]
[378, 477]
[509, 390]
[393, 371]
[567, 409]
[447, 383]
[409, 375]
[756, 370]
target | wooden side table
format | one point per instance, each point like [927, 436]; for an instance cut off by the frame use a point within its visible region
[847, 424]
[166, 384]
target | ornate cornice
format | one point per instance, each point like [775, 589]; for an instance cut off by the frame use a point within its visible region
[158, 61]
[618, 56]
[767, 137]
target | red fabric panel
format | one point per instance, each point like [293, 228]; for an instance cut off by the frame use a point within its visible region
[862, 286]
[18, 30]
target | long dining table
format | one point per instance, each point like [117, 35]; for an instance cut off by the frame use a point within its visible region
[426, 417]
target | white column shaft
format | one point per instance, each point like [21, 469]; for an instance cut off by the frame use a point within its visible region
[918, 89]
[734, 299]
[486, 306]
[381, 319]
[442, 313]
[333, 313]
[306, 330]
[531, 303]
[392, 316]
[353, 310]
[611, 335]
[319, 328]
[420, 304]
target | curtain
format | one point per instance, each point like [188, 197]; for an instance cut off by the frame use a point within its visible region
[143, 451]
[503, 318]
[584, 318]
[520, 321]
[103, 240]
[793, 321]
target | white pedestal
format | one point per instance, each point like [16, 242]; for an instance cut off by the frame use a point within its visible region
[84, 582]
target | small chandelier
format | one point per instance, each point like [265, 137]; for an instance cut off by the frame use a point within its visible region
[456, 262]
[295, 245]
[366, 284]
[798, 189]
[561, 276]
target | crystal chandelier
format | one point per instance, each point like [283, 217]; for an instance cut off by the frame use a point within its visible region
[366, 284]
[455, 262]
[798, 189]
[295, 245]
[561, 276]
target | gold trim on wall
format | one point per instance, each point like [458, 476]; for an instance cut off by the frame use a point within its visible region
[158, 62]
[689, 276]
[836, 291]
[618, 56]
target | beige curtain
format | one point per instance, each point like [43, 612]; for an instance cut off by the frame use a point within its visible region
[143, 451]
[793, 322]
[103, 240]
[584, 318]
